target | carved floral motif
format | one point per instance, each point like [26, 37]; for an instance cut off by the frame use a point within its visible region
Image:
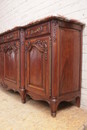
[9, 47]
[55, 25]
[38, 30]
[41, 45]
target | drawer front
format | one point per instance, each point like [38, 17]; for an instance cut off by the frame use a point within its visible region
[38, 30]
[10, 36]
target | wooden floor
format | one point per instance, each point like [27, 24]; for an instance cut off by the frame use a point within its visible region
[35, 115]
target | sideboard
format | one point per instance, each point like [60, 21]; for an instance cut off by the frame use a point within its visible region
[43, 59]
[12, 60]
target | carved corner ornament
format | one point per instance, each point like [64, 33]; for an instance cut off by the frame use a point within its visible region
[40, 45]
[10, 47]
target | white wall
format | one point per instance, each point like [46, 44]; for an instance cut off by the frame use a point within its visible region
[21, 12]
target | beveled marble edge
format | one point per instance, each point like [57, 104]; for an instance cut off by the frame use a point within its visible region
[41, 20]
[59, 17]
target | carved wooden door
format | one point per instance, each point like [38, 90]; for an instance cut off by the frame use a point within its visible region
[37, 63]
[11, 65]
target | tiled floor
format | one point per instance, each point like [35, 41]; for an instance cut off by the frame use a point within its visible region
[35, 115]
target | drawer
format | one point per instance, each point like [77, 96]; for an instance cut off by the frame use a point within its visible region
[37, 30]
[10, 36]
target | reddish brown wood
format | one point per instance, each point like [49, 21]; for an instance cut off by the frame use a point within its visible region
[10, 48]
[78, 101]
[37, 61]
[22, 66]
[38, 30]
[43, 59]
[69, 62]
[64, 63]
[12, 35]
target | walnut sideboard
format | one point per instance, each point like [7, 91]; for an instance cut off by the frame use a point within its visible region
[43, 59]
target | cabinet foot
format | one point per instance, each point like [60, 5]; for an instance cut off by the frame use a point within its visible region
[54, 105]
[23, 95]
[23, 100]
[53, 114]
[78, 101]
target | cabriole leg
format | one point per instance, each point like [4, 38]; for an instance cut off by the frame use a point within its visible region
[78, 101]
[54, 105]
[23, 95]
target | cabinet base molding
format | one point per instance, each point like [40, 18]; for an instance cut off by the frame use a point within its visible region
[55, 101]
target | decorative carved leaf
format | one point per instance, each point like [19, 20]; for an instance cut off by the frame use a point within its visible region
[10, 47]
[41, 45]
[55, 25]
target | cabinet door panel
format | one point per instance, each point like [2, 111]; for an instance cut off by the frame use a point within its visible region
[11, 64]
[37, 69]
[69, 60]
[37, 65]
